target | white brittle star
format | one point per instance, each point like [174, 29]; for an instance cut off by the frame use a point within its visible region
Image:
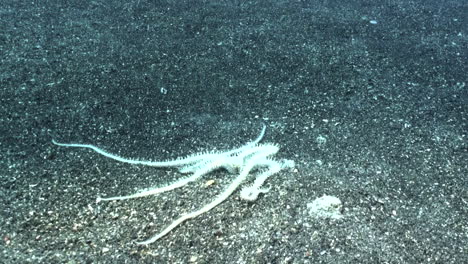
[242, 160]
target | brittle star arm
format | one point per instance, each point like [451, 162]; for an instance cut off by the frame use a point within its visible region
[209, 167]
[187, 161]
[169, 163]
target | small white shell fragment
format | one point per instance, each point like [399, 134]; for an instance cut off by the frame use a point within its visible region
[325, 207]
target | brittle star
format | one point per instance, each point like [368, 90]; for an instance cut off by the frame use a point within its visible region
[242, 160]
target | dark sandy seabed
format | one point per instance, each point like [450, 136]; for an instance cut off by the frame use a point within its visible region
[369, 98]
